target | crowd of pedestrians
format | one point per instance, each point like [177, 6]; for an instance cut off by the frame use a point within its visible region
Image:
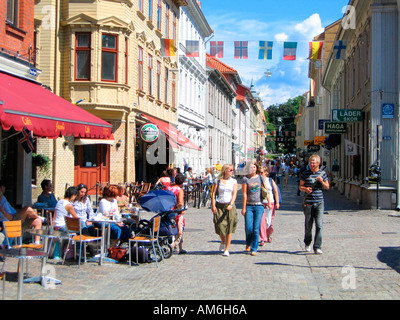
[261, 198]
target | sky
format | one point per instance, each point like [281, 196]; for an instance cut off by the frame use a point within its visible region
[271, 20]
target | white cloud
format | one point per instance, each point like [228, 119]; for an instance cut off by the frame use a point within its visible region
[310, 27]
[281, 36]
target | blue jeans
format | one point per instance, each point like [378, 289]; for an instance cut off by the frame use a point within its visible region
[313, 212]
[252, 221]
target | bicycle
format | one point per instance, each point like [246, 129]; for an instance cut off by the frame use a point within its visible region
[205, 198]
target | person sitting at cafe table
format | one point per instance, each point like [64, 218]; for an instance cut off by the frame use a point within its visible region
[122, 199]
[65, 208]
[27, 215]
[108, 206]
[83, 209]
[46, 196]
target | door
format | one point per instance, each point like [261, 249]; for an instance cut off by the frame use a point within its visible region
[92, 165]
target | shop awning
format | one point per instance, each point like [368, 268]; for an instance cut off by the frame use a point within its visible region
[27, 104]
[85, 142]
[173, 134]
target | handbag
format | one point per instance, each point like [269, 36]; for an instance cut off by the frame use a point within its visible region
[264, 191]
[117, 253]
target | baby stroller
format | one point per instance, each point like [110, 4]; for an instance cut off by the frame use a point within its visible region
[160, 202]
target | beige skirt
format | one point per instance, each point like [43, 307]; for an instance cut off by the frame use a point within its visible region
[225, 221]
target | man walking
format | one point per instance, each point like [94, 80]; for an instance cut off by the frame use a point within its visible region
[312, 181]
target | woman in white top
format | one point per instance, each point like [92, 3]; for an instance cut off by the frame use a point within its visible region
[223, 207]
[84, 210]
[65, 208]
[108, 206]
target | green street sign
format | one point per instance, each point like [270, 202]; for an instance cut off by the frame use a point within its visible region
[335, 127]
[347, 115]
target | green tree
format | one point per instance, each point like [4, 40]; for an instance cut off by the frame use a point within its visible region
[281, 117]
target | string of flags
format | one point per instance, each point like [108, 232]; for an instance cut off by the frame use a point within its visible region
[265, 49]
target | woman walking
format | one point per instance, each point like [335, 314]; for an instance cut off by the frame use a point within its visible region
[266, 227]
[223, 207]
[253, 208]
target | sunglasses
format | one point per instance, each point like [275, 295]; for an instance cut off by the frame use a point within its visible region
[230, 170]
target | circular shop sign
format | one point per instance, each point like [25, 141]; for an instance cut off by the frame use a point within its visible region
[149, 132]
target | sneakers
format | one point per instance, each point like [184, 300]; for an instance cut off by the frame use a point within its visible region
[222, 247]
[253, 253]
[318, 251]
[226, 254]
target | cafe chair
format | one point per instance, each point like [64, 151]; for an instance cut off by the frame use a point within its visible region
[75, 228]
[13, 231]
[151, 239]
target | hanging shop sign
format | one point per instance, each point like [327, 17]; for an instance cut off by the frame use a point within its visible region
[335, 127]
[319, 140]
[149, 132]
[347, 115]
[308, 142]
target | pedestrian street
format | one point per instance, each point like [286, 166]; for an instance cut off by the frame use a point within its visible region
[361, 261]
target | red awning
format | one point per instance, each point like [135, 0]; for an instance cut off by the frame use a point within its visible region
[27, 104]
[173, 134]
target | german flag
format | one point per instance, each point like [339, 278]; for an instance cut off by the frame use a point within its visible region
[167, 48]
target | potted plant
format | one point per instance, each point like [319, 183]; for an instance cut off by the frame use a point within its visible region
[41, 162]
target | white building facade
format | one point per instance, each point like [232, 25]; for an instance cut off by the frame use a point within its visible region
[193, 26]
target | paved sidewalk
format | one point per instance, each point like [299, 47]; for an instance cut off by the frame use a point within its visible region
[361, 260]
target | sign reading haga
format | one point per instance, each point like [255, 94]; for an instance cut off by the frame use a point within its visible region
[335, 127]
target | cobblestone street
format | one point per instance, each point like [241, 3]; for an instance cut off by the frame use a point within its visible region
[361, 261]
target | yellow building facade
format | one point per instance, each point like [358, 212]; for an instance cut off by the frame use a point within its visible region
[106, 55]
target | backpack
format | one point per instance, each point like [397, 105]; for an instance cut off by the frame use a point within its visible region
[279, 192]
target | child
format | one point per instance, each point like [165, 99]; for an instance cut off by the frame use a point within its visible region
[180, 219]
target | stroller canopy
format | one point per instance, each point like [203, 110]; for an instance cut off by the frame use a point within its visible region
[158, 201]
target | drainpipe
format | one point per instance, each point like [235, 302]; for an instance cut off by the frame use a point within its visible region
[398, 109]
[56, 29]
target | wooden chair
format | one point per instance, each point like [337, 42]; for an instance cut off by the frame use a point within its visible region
[151, 239]
[75, 228]
[145, 189]
[13, 230]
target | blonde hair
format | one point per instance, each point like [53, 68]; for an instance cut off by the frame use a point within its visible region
[316, 157]
[223, 169]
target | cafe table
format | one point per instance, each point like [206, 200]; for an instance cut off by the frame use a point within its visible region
[47, 234]
[23, 254]
[103, 221]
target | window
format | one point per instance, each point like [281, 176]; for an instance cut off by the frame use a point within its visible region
[82, 56]
[126, 59]
[150, 10]
[150, 75]
[140, 68]
[166, 86]
[140, 4]
[167, 20]
[12, 12]
[174, 29]
[109, 62]
[158, 80]
[174, 90]
[159, 12]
